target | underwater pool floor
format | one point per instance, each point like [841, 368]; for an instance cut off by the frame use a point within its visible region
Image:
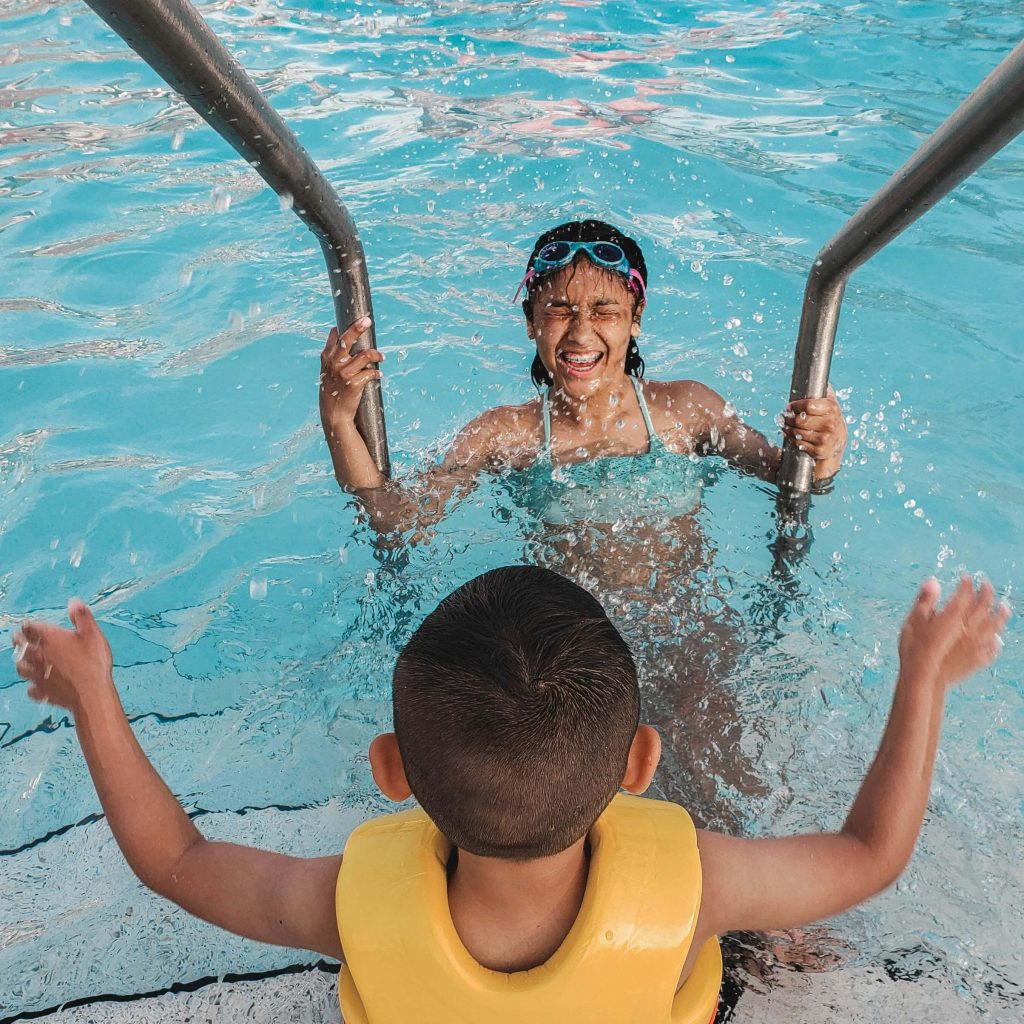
[857, 996]
[162, 316]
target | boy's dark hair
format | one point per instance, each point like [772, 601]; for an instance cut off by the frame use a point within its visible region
[515, 705]
[588, 231]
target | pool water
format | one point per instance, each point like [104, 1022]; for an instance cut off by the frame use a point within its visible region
[161, 317]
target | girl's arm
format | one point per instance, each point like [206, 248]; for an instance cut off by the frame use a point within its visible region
[816, 425]
[343, 377]
[288, 901]
[393, 507]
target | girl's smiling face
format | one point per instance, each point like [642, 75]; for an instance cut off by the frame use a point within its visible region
[582, 318]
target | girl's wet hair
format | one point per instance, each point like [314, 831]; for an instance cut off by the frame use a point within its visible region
[587, 231]
[515, 705]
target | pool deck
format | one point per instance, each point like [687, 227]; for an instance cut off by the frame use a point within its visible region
[854, 996]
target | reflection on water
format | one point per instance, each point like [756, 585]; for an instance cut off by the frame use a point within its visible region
[159, 327]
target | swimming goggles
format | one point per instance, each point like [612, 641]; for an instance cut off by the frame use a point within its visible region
[608, 255]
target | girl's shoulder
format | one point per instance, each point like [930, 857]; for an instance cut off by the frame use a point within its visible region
[503, 435]
[681, 410]
[682, 400]
[508, 423]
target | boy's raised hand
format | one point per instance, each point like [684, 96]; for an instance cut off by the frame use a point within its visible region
[951, 642]
[781, 883]
[261, 895]
[64, 666]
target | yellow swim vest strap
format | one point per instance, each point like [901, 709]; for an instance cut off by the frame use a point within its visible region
[620, 962]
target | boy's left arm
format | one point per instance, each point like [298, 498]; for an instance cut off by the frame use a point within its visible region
[756, 884]
[288, 901]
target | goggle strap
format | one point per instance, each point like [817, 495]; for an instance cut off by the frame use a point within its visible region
[636, 282]
[528, 277]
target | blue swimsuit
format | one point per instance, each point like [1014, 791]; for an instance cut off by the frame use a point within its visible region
[656, 484]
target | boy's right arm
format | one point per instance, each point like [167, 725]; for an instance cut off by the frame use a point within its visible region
[757, 884]
[288, 901]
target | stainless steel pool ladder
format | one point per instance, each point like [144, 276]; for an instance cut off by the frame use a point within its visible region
[985, 122]
[171, 37]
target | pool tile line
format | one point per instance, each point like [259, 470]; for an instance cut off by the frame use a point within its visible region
[50, 724]
[323, 966]
[195, 812]
[89, 819]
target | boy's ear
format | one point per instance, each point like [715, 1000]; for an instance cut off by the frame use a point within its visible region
[387, 768]
[644, 755]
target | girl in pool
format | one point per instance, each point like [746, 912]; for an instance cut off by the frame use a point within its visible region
[585, 295]
[603, 460]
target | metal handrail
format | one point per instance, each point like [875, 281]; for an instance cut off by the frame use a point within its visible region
[985, 122]
[171, 37]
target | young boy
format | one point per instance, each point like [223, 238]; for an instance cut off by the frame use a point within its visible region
[525, 888]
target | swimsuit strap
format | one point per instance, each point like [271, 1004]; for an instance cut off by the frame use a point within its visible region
[546, 450]
[652, 434]
[653, 441]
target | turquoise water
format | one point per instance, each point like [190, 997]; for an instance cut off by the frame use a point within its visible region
[160, 322]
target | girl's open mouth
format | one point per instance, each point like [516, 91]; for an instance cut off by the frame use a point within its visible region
[579, 364]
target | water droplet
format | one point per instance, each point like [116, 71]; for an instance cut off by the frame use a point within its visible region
[177, 139]
[285, 201]
[258, 588]
[727, 280]
[221, 199]
[75, 558]
[185, 277]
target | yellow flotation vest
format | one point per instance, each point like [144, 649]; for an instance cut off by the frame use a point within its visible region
[405, 963]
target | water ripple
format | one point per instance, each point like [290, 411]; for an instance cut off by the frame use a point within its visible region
[151, 418]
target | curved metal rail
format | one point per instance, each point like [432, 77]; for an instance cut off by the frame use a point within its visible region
[985, 122]
[171, 37]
